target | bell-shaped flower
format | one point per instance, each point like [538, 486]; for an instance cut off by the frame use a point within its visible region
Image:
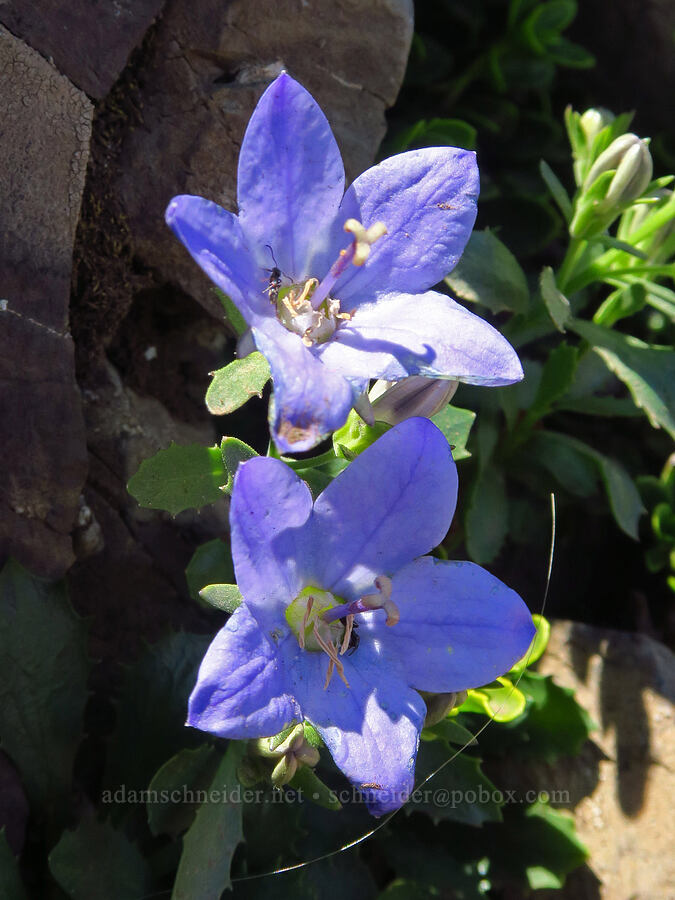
[344, 620]
[334, 285]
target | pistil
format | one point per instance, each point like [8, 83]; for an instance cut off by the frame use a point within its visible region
[357, 253]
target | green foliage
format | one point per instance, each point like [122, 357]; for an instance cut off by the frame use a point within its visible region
[488, 273]
[236, 383]
[150, 724]
[211, 564]
[209, 844]
[11, 886]
[43, 686]
[225, 597]
[96, 860]
[234, 452]
[188, 772]
[455, 423]
[180, 477]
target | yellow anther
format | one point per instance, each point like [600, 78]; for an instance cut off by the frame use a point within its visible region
[364, 238]
[382, 600]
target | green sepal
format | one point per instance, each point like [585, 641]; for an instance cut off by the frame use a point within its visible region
[310, 785]
[225, 597]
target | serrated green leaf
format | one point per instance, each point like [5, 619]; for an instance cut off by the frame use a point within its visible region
[210, 564]
[182, 778]
[43, 686]
[151, 711]
[557, 304]
[555, 724]
[558, 192]
[452, 794]
[307, 781]
[455, 423]
[489, 274]
[226, 597]
[234, 452]
[98, 861]
[180, 477]
[648, 371]
[209, 845]
[486, 519]
[236, 383]
[11, 886]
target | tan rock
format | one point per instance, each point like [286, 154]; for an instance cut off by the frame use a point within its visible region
[625, 817]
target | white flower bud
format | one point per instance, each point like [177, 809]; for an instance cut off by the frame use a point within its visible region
[593, 121]
[416, 395]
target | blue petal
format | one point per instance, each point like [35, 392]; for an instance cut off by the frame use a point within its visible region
[269, 516]
[371, 728]
[310, 400]
[242, 689]
[460, 627]
[291, 178]
[394, 502]
[217, 244]
[422, 334]
[427, 200]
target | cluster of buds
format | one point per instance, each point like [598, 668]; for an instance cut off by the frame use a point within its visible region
[287, 751]
[612, 169]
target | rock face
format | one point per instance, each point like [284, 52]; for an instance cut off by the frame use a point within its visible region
[89, 42]
[44, 143]
[206, 67]
[627, 684]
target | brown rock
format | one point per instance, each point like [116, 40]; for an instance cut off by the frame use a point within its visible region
[44, 145]
[89, 42]
[622, 785]
[206, 68]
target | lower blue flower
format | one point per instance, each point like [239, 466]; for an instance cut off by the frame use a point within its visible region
[344, 619]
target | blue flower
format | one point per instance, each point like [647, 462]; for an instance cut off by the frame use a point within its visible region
[334, 285]
[314, 575]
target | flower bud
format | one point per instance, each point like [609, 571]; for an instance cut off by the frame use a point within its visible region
[616, 179]
[593, 121]
[630, 157]
[416, 395]
[439, 705]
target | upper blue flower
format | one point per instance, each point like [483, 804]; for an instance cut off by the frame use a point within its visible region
[310, 573]
[331, 299]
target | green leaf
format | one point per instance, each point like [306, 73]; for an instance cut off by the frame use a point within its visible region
[307, 781]
[537, 647]
[555, 724]
[183, 776]
[451, 731]
[437, 133]
[556, 379]
[210, 564]
[234, 452]
[209, 845]
[557, 304]
[489, 274]
[558, 192]
[486, 519]
[43, 686]
[234, 317]
[225, 597]
[539, 843]
[460, 792]
[567, 53]
[180, 477]
[622, 303]
[502, 702]
[600, 406]
[623, 495]
[98, 861]
[236, 383]
[151, 712]
[455, 423]
[648, 371]
[11, 886]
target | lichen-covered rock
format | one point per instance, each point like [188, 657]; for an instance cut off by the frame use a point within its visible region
[44, 143]
[89, 42]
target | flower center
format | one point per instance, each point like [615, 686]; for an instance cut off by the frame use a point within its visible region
[305, 615]
[307, 308]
